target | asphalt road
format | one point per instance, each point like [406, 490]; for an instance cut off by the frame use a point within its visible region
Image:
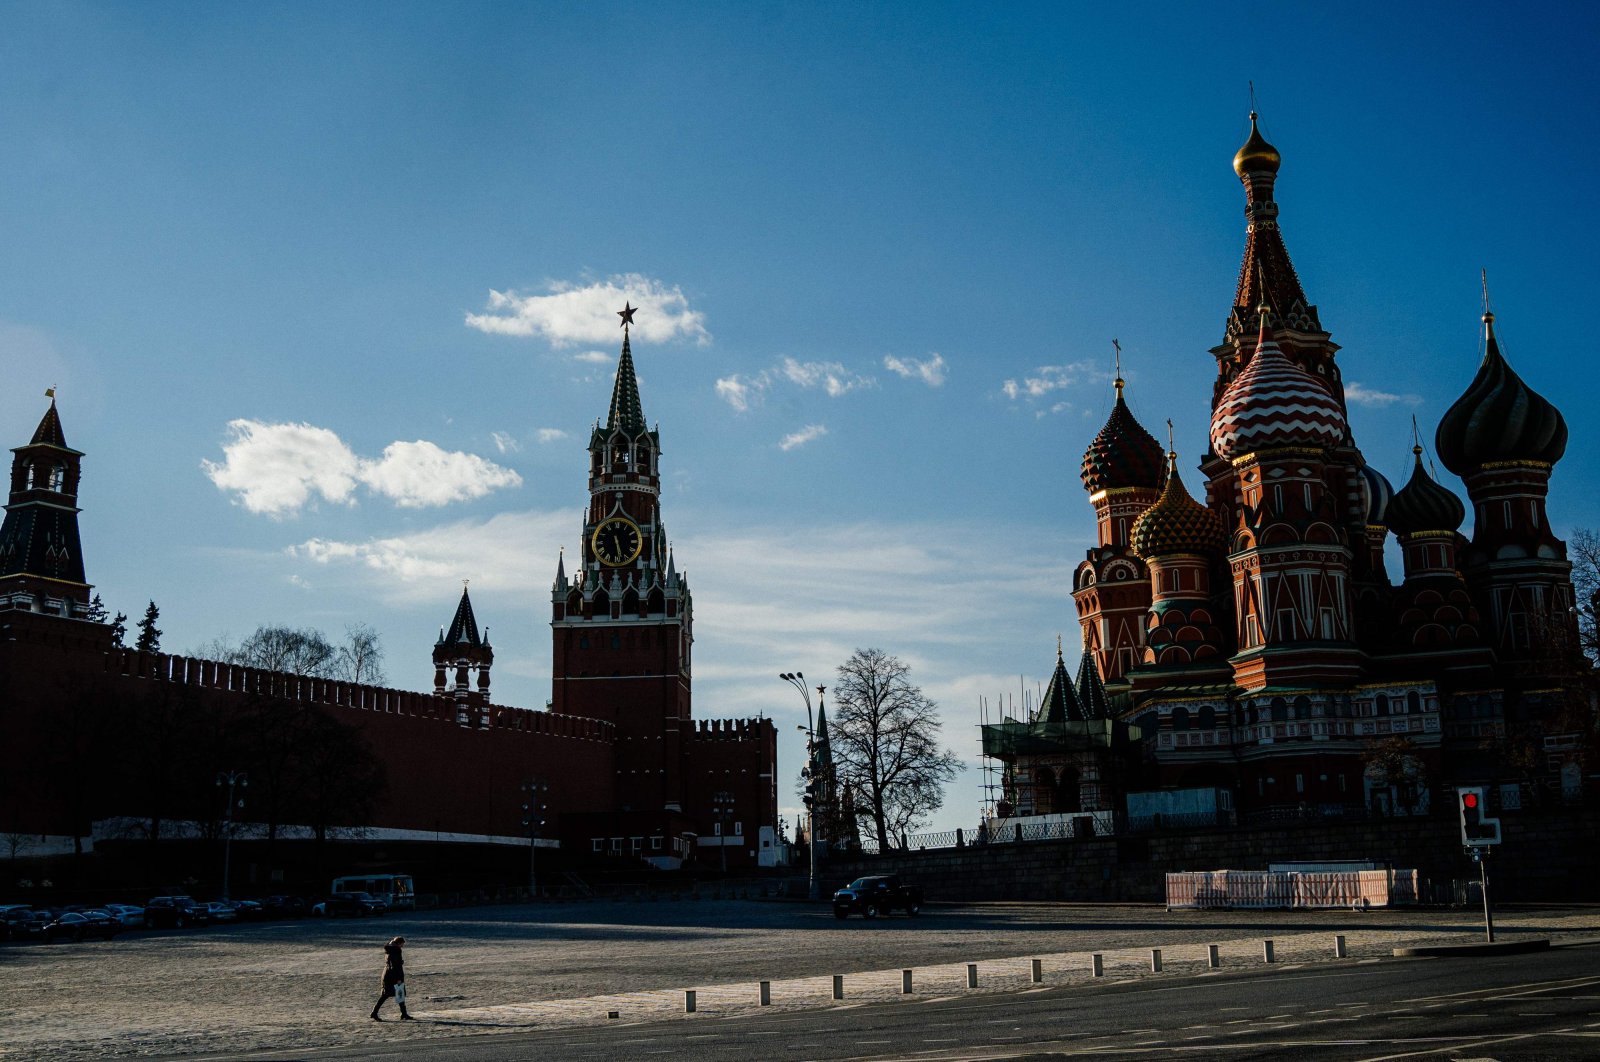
[1512, 1008]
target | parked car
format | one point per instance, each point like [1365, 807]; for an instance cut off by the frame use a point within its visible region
[23, 924]
[872, 896]
[280, 906]
[352, 904]
[129, 915]
[221, 912]
[80, 925]
[246, 910]
[175, 912]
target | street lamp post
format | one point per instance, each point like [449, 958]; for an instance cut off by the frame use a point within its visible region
[533, 809]
[722, 809]
[797, 679]
[231, 779]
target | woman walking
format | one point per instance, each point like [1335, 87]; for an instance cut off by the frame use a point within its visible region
[394, 978]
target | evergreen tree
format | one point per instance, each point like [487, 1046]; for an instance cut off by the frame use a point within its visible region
[119, 631]
[97, 611]
[149, 634]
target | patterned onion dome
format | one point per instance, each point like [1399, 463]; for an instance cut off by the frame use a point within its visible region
[1257, 156]
[1423, 505]
[1500, 418]
[1274, 402]
[1176, 523]
[1123, 454]
[1378, 492]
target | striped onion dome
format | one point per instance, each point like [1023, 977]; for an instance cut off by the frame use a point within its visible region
[1424, 505]
[1176, 523]
[1378, 492]
[1500, 418]
[1123, 454]
[1274, 402]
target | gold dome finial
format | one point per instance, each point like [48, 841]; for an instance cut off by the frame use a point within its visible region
[1118, 381]
[1257, 156]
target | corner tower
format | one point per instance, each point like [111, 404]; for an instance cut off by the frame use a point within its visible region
[623, 621]
[463, 650]
[41, 561]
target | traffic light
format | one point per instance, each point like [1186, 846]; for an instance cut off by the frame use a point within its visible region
[811, 793]
[1477, 828]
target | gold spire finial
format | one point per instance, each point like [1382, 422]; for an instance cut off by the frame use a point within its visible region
[50, 393]
[1058, 647]
[1117, 382]
[1416, 439]
[1172, 448]
[1488, 314]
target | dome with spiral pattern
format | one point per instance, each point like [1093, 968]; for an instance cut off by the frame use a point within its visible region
[1423, 505]
[1499, 418]
[1378, 492]
[1123, 454]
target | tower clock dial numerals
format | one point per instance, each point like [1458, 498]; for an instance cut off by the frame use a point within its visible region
[617, 541]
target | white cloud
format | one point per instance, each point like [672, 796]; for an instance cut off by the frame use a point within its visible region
[568, 313]
[547, 435]
[1050, 378]
[803, 436]
[276, 469]
[743, 392]
[419, 474]
[930, 372]
[505, 442]
[594, 357]
[740, 392]
[1363, 396]
[510, 552]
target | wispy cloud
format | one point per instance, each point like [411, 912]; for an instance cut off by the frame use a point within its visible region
[594, 357]
[1364, 396]
[803, 436]
[547, 435]
[743, 392]
[567, 313]
[278, 469]
[1039, 389]
[930, 372]
[505, 442]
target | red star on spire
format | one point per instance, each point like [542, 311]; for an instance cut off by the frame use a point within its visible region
[626, 313]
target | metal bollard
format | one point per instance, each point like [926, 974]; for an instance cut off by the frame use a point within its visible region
[1339, 951]
[688, 1001]
[1266, 951]
[905, 982]
[1155, 960]
[838, 986]
[1213, 960]
[972, 975]
[1038, 971]
[1097, 965]
[766, 993]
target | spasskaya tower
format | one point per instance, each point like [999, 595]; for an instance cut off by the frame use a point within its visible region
[623, 622]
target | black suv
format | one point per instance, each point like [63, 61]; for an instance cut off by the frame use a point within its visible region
[879, 894]
[354, 904]
[175, 912]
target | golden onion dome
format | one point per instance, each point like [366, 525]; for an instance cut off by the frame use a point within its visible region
[1257, 155]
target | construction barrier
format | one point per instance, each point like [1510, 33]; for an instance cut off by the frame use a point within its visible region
[1264, 889]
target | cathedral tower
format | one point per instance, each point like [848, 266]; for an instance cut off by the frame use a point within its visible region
[623, 622]
[41, 561]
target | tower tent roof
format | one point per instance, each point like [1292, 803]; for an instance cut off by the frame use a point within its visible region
[49, 433]
[1060, 700]
[464, 627]
[627, 413]
[1091, 689]
[1499, 418]
[1266, 275]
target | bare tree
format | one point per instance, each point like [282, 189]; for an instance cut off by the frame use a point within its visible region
[360, 658]
[886, 744]
[1584, 552]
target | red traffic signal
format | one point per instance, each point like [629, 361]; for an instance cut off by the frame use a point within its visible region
[1469, 799]
[1477, 829]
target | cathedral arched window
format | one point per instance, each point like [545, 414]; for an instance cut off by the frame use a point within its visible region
[1280, 710]
[1413, 701]
[1302, 707]
[1207, 717]
[1180, 718]
[1382, 704]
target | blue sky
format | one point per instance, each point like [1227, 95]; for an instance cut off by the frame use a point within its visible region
[325, 289]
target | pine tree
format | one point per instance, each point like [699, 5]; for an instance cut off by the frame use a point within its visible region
[119, 631]
[149, 634]
[97, 611]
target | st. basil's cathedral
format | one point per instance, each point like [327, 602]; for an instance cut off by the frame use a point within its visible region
[1253, 641]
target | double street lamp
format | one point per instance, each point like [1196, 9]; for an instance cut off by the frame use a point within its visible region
[231, 779]
[722, 810]
[533, 809]
[797, 679]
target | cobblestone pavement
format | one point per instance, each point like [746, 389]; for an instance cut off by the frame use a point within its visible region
[290, 985]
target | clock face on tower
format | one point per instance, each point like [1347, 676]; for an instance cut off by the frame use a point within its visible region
[617, 541]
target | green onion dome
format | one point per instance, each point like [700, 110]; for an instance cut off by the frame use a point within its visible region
[1424, 505]
[1499, 418]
